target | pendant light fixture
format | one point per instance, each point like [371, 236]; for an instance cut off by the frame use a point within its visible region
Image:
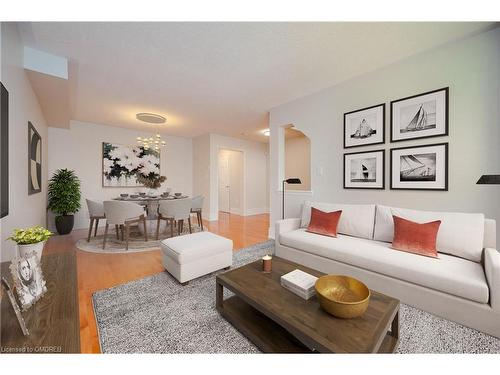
[150, 142]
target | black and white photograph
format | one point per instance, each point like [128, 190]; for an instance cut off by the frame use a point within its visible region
[364, 170]
[28, 280]
[420, 168]
[364, 126]
[420, 116]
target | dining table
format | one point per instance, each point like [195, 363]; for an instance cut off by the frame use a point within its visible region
[150, 202]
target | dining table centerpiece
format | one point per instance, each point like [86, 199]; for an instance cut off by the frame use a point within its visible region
[153, 182]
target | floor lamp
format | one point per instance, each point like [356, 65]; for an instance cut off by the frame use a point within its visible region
[291, 181]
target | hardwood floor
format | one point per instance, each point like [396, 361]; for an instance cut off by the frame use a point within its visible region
[101, 271]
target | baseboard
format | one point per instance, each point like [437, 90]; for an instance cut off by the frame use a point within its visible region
[256, 211]
[236, 211]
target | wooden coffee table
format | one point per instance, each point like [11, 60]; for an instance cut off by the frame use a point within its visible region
[278, 321]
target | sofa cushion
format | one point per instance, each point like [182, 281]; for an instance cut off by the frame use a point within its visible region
[416, 238]
[356, 220]
[448, 274]
[193, 247]
[324, 223]
[460, 234]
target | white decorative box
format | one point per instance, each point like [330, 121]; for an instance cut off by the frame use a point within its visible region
[299, 283]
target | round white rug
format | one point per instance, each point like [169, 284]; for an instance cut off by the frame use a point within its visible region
[136, 241]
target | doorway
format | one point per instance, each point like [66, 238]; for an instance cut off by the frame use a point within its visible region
[231, 196]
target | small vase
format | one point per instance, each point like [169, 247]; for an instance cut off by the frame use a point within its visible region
[37, 248]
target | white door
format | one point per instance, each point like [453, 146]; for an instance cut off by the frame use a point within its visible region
[224, 187]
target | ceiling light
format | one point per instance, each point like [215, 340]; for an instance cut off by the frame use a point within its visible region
[151, 118]
[266, 132]
[148, 141]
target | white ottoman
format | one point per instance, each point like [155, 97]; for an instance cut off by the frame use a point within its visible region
[193, 255]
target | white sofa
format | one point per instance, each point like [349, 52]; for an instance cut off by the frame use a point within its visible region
[462, 285]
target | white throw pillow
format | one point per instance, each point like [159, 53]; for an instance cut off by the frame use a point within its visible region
[460, 234]
[356, 220]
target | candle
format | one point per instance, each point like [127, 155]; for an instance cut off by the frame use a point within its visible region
[267, 264]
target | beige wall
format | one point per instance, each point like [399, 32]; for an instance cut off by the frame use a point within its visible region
[298, 161]
[471, 69]
[24, 210]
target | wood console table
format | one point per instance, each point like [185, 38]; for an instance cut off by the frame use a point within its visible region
[54, 321]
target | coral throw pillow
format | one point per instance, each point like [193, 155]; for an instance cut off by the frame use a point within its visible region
[414, 237]
[324, 223]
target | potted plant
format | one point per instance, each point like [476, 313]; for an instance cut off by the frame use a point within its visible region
[64, 199]
[30, 240]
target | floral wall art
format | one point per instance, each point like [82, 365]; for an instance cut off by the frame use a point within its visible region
[123, 165]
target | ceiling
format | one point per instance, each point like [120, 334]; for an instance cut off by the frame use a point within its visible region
[220, 77]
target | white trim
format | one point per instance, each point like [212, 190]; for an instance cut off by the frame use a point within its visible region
[256, 211]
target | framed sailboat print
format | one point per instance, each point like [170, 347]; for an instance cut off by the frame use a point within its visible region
[420, 116]
[364, 170]
[365, 126]
[420, 167]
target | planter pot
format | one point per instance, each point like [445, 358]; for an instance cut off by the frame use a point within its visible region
[64, 223]
[36, 248]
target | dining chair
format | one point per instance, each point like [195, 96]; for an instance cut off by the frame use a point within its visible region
[122, 215]
[96, 212]
[196, 207]
[175, 210]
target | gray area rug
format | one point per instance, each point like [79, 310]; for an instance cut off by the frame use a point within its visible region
[158, 315]
[136, 241]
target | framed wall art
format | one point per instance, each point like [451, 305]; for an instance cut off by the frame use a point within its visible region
[420, 116]
[365, 126]
[420, 167]
[122, 165]
[364, 170]
[34, 160]
[4, 151]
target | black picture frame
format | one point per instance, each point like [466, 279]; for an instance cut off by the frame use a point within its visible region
[4, 151]
[360, 110]
[446, 166]
[34, 141]
[382, 151]
[446, 114]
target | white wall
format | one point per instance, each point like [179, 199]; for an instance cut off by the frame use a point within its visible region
[80, 148]
[201, 171]
[24, 210]
[235, 168]
[298, 162]
[471, 69]
[255, 156]
[255, 165]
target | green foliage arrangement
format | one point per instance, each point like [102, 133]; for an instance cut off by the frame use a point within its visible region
[64, 192]
[30, 235]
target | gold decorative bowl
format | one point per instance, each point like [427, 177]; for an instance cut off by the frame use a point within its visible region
[342, 296]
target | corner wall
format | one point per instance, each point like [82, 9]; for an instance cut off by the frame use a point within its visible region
[205, 173]
[471, 69]
[24, 210]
